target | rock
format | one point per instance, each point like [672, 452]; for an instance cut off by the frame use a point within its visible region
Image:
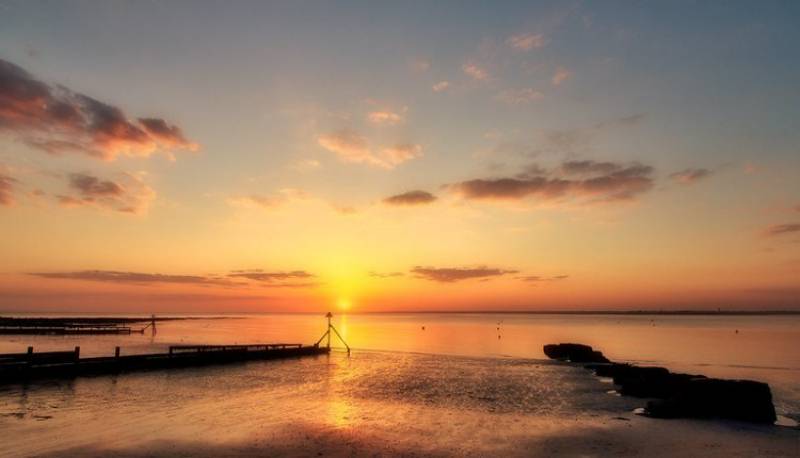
[576, 353]
[607, 370]
[743, 400]
[656, 384]
[643, 382]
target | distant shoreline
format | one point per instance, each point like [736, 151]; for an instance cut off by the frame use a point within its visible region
[135, 317]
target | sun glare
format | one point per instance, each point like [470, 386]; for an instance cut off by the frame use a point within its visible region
[343, 304]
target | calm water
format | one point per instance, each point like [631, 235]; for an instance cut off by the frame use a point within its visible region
[456, 376]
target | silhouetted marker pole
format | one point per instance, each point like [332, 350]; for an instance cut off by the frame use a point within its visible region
[329, 315]
[327, 334]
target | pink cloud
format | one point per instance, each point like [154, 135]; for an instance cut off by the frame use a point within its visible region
[58, 120]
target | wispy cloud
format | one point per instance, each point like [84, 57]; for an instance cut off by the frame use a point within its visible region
[690, 176]
[305, 165]
[475, 71]
[526, 41]
[416, 197]
[374, 274]
[420, 65]
[257, 277]
[560, 76]
[398, 154]
[540, 279]
[351, 147]
[127, 193]
[385, 117]
[595, 181]
[6, 190]
[112, 276]
[454, 274]
[58, 120]
[348, 145]
[441, 86]
[268, 202]
[519, 96]
[279, 279]
[782, 229]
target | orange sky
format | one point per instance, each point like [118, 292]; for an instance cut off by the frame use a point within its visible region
[528, 157]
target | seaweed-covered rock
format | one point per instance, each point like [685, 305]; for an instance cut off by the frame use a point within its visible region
[743, 400]
[576, 353]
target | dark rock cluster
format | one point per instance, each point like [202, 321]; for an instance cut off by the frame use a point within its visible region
[575, 353]
[676, 395]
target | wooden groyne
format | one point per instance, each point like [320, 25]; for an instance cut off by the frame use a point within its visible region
[76, 326]
[17, 367]
[68, 330]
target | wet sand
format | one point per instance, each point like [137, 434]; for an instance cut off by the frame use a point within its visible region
[627, 435]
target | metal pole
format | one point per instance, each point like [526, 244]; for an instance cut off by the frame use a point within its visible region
[329, 315]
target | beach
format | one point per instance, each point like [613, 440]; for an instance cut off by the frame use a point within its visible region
[380, 402]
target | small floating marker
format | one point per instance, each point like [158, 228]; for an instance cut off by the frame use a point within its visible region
[423, 328]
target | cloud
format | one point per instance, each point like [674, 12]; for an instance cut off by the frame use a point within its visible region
[441, 86]
[410, 198]
[352, 147]
[782, 229]
[93, 187]
[262, 278]
[348, 145]
[520, 96]
[265, 276]
[561, 75]
[277, 279]
[268, 202]
[595, 181]
[630, 120]
[454, 274]
[526, 41]
[167, 135]
[305, 165]
[398, 154]
[112, 276]
[797, 208]
[384, 118]
[690, 176]
[344, 209]
[58, 120]
[128, 194]
[420, 65]
[6, 190]
[374, 274]
[589, 167]
[475, 71]
[538, 279]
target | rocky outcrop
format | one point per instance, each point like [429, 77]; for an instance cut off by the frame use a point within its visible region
[644, 382]
[678, 395]
[576, 353]
[743, 400]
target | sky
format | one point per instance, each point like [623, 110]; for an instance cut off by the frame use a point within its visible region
[301, 156]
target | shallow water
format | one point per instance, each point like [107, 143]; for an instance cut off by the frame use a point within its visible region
[461, 382]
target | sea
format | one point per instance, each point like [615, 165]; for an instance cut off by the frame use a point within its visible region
[463, 382]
